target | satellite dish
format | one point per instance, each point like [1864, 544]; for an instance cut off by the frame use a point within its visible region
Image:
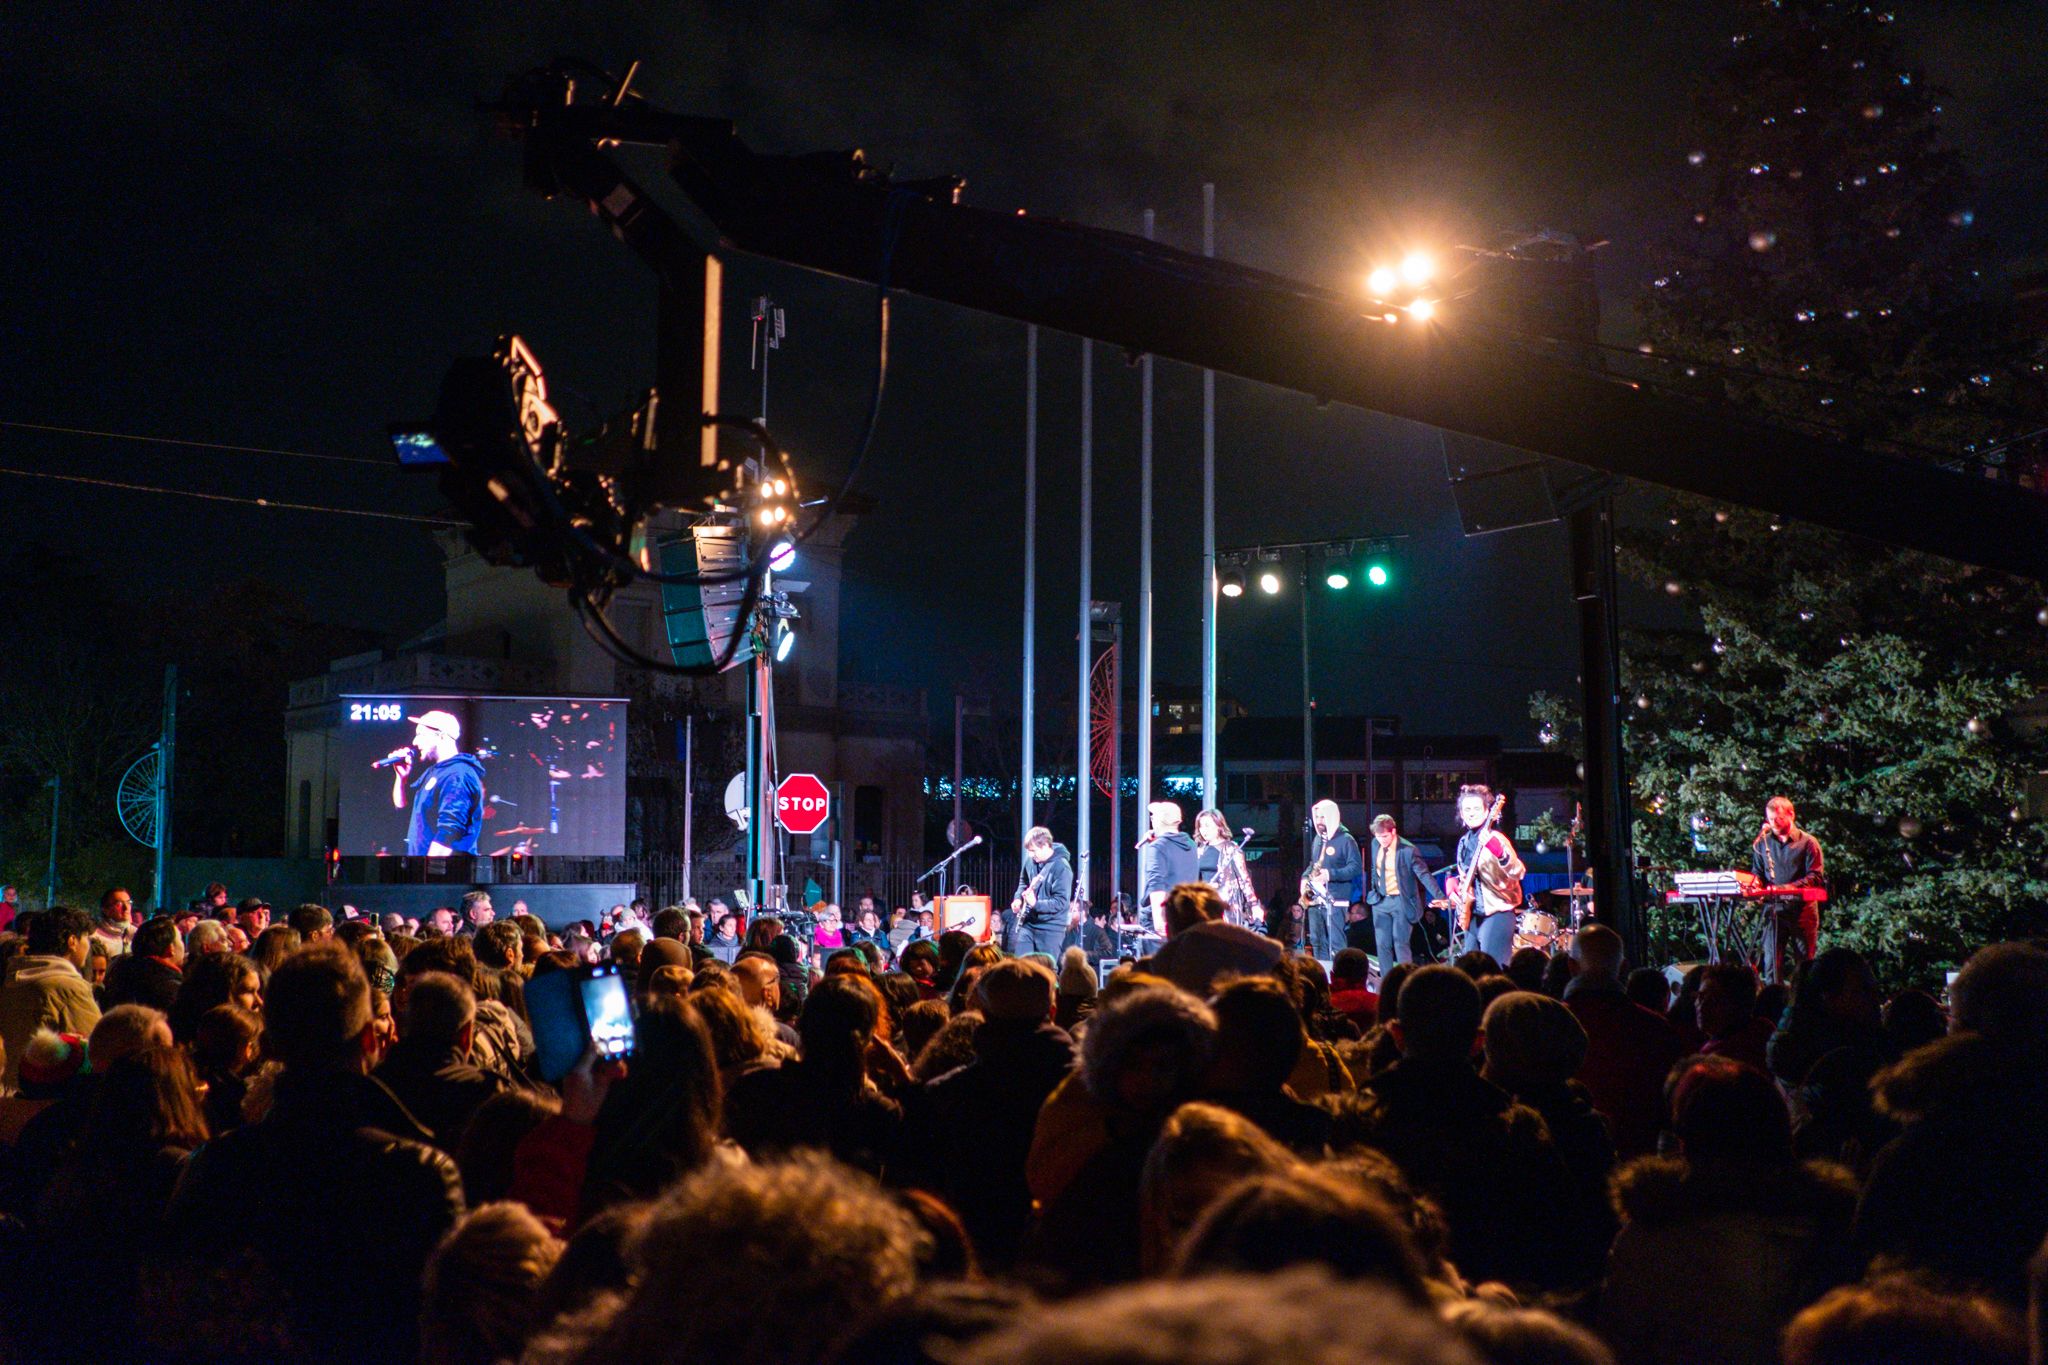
[736, 800]
[137, 798]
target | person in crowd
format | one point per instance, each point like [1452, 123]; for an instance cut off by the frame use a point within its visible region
[1526, 967]
[867, 928]
[1300, 1315]
[1648, 987]
[481, 1297]
[103, 1208]
[1722, 1244]
[490, 1144]
[1534, 1047]
[1524, 1336]
[1958, 1193]
[1683, 1011]
[1201, 945]
[253, 1242]
[206, 937]
[825, 1098]
[1914, 1018]
[152, 969]
[503, 1043]
[1487, 1160]
[313, 921]
[967, 1133]
[830, 932]
[922, 964]
[252, 916]
[1202, 1150]
[1077, 989]
[673, 922]
[1351, 994]
[98, 966]
[477, 911]
[1903, 1320]
[116, 923]
[724, 941]
[1835, 1003]
[1270, 1222]
[787, 953]
[1629, 1050]
[656, 955]
[45, 987]
[225, 1048]
[272, 947]
[1259, 1041]
[49, 1063]
[826, 1251]
[1725, 1011]
[1145, 1054]
[10, 906]
[428, 1068]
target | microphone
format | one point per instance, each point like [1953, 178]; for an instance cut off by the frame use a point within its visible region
[396, 757]
[969, 844]
[1249, 831]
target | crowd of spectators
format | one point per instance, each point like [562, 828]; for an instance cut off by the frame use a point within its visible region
[326, 1138]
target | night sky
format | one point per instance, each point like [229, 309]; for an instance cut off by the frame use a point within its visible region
[263, 225]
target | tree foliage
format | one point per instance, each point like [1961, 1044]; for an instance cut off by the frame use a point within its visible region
[1825, 272]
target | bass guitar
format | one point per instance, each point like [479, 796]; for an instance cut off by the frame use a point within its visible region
[1463, 889]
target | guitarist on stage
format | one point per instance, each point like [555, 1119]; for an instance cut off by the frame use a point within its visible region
[1489, 885]
[1331, 883]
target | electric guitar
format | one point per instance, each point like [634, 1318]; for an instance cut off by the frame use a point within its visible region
[1464, 888]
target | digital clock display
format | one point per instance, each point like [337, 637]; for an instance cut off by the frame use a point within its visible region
[375, 711]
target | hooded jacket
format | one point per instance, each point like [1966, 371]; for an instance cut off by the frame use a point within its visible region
[1055, 886]
[1710, 1269]
[1959, 1191]
[42, 992]
[448, 806]
[1164, 862]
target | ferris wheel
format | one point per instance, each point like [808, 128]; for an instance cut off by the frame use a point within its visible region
[139, 799]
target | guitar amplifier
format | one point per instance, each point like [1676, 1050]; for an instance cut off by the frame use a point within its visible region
[968, 914]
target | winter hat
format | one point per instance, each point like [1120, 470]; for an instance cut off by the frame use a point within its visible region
[49, 1061]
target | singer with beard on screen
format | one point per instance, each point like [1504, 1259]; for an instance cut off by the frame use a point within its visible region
[447, 798]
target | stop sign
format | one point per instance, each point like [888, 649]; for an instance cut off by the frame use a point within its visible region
[802, 803]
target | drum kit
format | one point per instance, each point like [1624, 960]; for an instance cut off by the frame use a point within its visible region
[1543, 930]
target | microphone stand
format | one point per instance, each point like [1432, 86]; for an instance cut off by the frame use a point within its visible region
[943, 863]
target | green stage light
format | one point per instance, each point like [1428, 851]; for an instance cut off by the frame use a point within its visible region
[1377, 575]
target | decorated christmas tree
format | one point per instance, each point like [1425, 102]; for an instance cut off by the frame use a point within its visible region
[1824, 273]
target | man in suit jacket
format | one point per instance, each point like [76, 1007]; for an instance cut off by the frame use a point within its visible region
[1334, 856]
[1397, 885]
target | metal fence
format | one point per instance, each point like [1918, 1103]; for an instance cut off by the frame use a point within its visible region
[661, 879]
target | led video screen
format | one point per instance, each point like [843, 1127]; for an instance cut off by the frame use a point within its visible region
[441, 776]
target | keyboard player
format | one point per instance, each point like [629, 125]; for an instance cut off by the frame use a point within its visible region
[1786, 856]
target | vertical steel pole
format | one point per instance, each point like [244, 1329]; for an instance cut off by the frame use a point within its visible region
[1145, 571]
[1028, 776]
[167, 753]
[1211, 792]
[1308, 720]
[1084, 728]
[56, 805]
[689, 798]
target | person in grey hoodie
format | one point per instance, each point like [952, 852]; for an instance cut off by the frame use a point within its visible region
[1045, 895]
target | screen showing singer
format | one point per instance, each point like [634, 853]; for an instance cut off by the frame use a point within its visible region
[448, 776]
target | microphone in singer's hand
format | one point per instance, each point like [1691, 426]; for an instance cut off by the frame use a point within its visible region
[396, 757]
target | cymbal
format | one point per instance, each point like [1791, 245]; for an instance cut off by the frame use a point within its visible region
[1574, 891]
[520, 829]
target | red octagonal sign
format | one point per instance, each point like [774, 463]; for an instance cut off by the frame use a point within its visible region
[802, 803]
